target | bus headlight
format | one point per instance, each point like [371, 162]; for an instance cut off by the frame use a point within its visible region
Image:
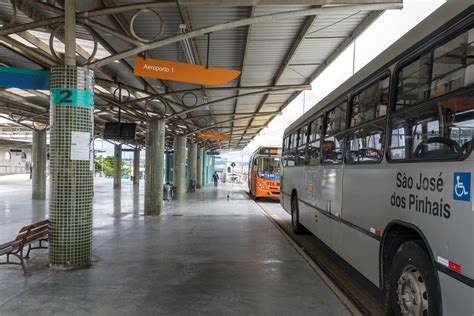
[262, 186]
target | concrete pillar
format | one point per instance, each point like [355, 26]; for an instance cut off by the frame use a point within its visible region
[39, 165]
[136, 166]
[71, 158]
[174, 161]
[117, 166]
[213, 167]
[199, 166]
[204, 168]
[192, 165]
[169, 167]
[180, 167]
[154, 165]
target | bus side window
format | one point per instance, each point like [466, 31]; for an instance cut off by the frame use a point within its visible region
[442, 129]
[314, 150]
[365, 144]
[314, 145]
[301, 150]
[446, 68]
[370, 103]
[332, 144]
[290, 154]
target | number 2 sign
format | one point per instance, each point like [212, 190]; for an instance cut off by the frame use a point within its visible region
[72, 97]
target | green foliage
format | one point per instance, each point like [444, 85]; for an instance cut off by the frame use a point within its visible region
[107, 164]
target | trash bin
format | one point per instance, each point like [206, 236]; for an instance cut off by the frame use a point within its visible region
[167, 192]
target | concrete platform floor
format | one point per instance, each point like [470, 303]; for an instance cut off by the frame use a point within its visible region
[206, 255]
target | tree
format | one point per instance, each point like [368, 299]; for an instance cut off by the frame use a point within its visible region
[106, 164]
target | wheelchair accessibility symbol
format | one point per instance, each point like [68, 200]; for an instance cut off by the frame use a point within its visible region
[462, 186]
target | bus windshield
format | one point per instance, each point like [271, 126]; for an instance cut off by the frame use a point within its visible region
[269, 167]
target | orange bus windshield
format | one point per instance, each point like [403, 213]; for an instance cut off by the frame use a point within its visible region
[269, 167]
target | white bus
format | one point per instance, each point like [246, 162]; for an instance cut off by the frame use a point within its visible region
[381, 169]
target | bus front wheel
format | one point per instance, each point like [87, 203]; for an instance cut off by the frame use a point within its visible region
[297, 228]
[414, 288]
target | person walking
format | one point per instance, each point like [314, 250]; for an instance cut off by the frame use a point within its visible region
[215, 177]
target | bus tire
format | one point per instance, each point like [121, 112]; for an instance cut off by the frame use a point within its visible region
[414, 288]
[297, 228]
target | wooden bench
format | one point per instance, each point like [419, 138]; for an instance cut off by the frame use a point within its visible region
[28, 235]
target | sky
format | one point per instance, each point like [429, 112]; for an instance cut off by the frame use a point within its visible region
[388, 28]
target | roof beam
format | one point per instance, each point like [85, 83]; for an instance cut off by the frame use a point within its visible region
[224, 26]
[213, 103]
[304, 30]
[244, 59]
[371, 17]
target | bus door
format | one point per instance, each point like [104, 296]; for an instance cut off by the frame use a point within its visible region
[254, 172]
[329, 189]
[330, 175]
[311, 219]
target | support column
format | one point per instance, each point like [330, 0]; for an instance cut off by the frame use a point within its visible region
[213, 167]
[136, 166]
[71, 159]
[39, 165]
[192, 165]
[174, 162]
[204, 168]
[117, 166]
[154, 165]
[180, 167]
[169, 167]
[200, 154]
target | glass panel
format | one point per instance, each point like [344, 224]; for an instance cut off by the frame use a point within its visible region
[443, 129]
[303, 135]
[332, 149]
[290, 160]
[447, 68]
[315, 129]
[269, 167]
[453, 65]
[413, 82]
[314, 152]
[300, 156]
[365, 144]
[336, 119]
[294, 139]
[370, 103]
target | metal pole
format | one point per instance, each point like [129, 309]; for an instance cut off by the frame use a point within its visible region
[70, 32]
[136, 166]
[117, 166]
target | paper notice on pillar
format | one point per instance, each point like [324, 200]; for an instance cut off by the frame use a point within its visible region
[80, 145]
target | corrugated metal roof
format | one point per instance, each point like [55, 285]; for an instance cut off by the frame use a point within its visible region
[279, 52]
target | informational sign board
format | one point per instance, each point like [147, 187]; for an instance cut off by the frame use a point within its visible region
[72, 97]
[80, 145]
[176, 71]
[11, 77]
[212, 153]
[206, 135]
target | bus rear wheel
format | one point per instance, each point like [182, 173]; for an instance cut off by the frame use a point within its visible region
[297, 228]
[414, 288]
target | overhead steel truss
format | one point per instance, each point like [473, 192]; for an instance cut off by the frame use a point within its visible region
[144, 103]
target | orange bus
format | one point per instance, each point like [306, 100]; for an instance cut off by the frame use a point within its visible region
[264, 172]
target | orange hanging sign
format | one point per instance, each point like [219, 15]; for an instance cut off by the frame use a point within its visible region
[206, 135]
[172, 70]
